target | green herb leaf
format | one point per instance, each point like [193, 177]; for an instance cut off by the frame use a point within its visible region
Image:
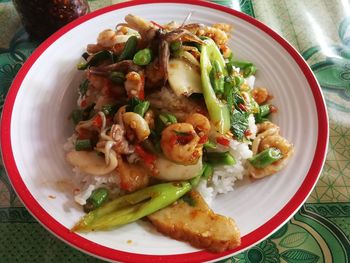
[239, 123]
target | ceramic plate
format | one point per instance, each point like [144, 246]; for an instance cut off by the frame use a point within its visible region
[35, 126]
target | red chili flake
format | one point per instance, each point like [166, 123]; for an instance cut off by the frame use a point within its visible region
[147, 157]
[97, 121]
[76, 190]
[223, 141]
[123, 185]
[184, 138]
[247, 133]
[242, 107]
[273, 109]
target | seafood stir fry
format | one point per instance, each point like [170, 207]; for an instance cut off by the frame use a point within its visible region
[159, 109]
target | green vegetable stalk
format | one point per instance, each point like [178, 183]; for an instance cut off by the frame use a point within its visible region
[218, 110]
[131, 207]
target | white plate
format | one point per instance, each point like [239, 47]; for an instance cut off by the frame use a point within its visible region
[35, 127]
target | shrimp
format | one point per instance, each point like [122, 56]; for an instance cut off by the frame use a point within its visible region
[265, 129]
[138, 124]
[107, 38]
[260, 95]
[218, 35]
[200, 124]
[135, 84]
[180, 143]
[275, 141]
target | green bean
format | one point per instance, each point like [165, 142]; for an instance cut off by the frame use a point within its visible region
[129, 49]
[264, 110]
[209, 144]
[143, 57]
[83, 145]
[261, 115]
[208, 172]
[167, 118]
[96, 199]
[175, 46]
[141, 108]
[217, 77]
[220, 158]
[247, 68]
[241, 63]
[117, 77]
[266, 157]
[249, 71]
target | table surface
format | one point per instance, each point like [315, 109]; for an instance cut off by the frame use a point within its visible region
[319, 231]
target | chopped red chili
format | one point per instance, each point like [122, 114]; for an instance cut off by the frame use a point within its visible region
[184, 138]
[97, 121]
[247, 133]
[242, 107]
[147, 157]
[273, 109]
[203, 139]
[223, 141]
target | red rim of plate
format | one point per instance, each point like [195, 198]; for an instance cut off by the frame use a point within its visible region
[111, 254]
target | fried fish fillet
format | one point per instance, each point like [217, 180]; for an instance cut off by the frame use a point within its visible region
[193, 221]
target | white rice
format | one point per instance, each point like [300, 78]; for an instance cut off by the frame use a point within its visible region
[86, 183]
[225, 176]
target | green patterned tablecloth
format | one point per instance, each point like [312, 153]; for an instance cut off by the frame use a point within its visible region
[320, 231]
